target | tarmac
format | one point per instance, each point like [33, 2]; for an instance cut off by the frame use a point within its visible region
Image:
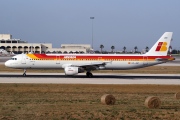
[103, 78]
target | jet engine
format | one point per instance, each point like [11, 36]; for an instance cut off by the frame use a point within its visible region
[73, 70]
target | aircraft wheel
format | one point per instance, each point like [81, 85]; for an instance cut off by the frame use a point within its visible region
[89, 74]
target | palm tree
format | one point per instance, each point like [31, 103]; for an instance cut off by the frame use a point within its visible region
[112, 48]
[101, 46]
[147, 48]
[124, 48]
[135, 48]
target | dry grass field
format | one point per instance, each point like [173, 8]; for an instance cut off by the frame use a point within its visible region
[79, 102]
[82, 102]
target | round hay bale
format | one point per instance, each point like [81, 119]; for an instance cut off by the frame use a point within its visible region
[177, 95]
[152, 102]
[108, 99]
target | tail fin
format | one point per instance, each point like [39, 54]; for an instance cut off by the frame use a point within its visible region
[162, 45]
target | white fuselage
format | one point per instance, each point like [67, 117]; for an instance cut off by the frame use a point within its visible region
[25, 62]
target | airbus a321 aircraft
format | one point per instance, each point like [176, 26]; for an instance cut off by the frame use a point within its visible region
[78, 63]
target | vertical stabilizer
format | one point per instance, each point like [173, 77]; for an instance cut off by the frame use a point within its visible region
[162, 45]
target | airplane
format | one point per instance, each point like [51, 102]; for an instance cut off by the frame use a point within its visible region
[79, 63]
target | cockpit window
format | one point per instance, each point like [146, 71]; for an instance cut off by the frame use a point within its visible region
[13, 59]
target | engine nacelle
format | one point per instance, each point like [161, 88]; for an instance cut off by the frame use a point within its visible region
[73, 70]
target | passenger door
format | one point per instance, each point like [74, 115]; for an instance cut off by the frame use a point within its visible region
[57, 59]
[145, 60]
[23, 60]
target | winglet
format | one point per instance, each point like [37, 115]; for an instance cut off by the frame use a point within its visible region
[162, 45]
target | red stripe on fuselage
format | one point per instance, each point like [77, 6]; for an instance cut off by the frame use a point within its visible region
[61, 56]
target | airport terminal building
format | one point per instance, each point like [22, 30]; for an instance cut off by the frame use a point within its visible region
[19, 46]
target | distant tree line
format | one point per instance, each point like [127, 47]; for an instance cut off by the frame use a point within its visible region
[113, 47]
[146, 49]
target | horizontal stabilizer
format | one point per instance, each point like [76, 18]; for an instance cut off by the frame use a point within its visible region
[164, 59]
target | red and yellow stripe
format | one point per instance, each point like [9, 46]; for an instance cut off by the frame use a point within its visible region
[95, 57]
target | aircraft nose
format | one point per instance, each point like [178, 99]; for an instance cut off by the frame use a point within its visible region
[7, 64]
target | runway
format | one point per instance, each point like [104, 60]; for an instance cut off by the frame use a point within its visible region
[103, 78]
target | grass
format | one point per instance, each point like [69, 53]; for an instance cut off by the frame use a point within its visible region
[76, 102]
[79, 101]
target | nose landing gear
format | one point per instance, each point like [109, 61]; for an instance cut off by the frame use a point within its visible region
[24, 74]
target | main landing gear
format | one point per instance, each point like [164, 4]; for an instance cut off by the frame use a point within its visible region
[24, 74]
[89, 74]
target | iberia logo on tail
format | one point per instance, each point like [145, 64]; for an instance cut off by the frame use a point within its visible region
[162, 46]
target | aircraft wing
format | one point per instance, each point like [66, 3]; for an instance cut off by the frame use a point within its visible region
[93, 65]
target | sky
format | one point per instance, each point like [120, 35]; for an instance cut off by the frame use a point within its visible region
[116, 23]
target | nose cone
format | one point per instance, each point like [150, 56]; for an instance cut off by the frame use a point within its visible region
[7, 64]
